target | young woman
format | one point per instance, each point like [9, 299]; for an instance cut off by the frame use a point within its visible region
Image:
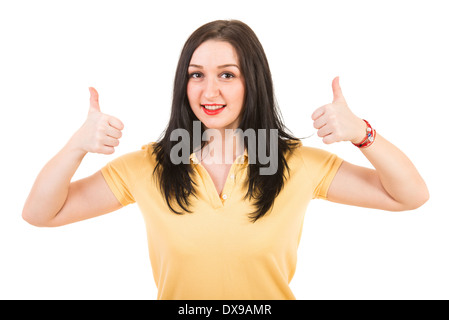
[227, 228]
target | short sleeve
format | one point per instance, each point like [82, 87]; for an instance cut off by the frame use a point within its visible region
[119, 176]
[322, 166]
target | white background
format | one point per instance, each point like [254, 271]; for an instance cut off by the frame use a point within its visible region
[392, 59]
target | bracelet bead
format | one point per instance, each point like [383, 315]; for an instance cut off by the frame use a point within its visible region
[369, 138]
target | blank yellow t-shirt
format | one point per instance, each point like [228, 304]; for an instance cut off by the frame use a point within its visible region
[216, 252]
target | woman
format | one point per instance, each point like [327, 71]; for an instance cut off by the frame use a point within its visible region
[227, 228]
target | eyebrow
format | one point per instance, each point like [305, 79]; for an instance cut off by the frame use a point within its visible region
[219, 67]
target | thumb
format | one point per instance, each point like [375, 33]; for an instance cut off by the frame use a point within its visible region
[94, 105]
[336, 89]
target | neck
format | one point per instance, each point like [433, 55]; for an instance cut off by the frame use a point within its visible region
[223, 147]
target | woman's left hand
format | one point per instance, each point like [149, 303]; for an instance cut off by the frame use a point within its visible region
[336, 122]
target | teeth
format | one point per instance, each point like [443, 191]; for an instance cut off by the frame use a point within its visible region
[213, 107]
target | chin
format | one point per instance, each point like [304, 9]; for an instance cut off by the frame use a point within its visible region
[213, 125]
[219, 124]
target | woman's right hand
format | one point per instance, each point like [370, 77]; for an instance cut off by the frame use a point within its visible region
[54, 200]
[100, 133]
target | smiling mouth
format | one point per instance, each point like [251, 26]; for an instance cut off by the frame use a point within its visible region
[213, 107]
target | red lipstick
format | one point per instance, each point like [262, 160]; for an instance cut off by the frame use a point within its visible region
[214, 110]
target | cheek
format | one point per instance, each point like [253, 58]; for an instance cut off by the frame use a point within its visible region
[242, 92]
[192, 92]
[193, 96]
[239, 95]
[234, 93]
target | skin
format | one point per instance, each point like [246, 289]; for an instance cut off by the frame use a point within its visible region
[54, 200]
[215, 78]
[394, 184]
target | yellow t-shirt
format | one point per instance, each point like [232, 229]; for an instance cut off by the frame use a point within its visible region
[216, 252]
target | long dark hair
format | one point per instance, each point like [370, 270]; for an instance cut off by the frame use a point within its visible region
[260, 112]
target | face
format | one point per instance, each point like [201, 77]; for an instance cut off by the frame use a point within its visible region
[216, 88]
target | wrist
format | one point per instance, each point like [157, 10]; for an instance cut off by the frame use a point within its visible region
[361, 132]
[369, 137]
[74, 147]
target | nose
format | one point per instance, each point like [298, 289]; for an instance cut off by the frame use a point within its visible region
[212, 89]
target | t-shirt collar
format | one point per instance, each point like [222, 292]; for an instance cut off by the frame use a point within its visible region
[242, 159]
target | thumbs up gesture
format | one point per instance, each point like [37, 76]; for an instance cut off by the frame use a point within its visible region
[100, 133]
[336, 122]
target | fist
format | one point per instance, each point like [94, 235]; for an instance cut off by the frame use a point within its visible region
[336, 122]
[100, 133]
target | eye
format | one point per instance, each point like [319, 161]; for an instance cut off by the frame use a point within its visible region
[195, 75]
[227, 75]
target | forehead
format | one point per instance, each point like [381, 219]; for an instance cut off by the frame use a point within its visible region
[214, 53]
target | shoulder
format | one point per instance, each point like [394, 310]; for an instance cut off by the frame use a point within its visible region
[148, 153]
[310, 157]
[300, 152]
[143, 158]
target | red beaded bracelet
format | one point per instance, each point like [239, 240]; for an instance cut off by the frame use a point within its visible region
[369, 138]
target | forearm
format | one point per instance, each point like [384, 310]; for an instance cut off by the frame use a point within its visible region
[397, 174]
[50, 189]
[395, 184]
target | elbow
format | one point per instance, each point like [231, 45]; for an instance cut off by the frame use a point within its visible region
[415, 201]
[29, 217]
[421, 198]
[32, 218]
[424, 197]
